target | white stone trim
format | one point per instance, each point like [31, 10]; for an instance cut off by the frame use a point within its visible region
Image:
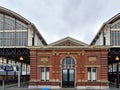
[50, 87]
[92, 87]
[78, 87]
[32, 86]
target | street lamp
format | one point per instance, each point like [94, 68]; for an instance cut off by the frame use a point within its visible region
[117, 80]
[21, 59]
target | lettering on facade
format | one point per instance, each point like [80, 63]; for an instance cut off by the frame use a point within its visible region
[92, 59]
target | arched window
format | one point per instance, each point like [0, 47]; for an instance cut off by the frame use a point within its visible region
[68, 62]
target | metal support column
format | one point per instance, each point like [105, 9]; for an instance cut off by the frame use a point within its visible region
[117, 80]
[19, 70]
[3, 84]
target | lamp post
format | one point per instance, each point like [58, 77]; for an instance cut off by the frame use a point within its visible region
[19, 70]
[117, 80]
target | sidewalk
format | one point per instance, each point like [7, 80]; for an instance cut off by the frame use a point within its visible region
[15, 88]
[25, 87]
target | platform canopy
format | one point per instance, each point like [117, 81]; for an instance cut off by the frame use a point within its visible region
[16, 54]
[113, 53]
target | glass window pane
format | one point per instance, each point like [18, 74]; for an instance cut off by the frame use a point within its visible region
[47, 74]
[42, 74]
[64, 77]
[68, 62]
[1, 21]
[71, 77]
[92, 74]
[89, 76]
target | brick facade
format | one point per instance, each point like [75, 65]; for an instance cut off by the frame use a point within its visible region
[83, 57]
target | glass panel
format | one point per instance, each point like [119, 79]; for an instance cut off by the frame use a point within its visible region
[93, 74]
[114, 67]
[68, 62]
[47, 74]
[64, 75]
[9, 23]
[42, 74]
[64, 61]
[1, 21]
[71, 75]
[20, 25]
[89, 73]
[118, 37]
[15, 68]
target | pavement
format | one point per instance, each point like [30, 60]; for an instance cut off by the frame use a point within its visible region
[24, 86]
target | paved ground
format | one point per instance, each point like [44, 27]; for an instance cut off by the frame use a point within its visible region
[25, 87]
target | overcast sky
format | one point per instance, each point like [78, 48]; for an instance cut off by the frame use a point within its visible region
[57, 19]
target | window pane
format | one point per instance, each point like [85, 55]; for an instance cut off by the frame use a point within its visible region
[47, 73]
[115, 38]
[1, 21]
[89, 69]
[42, 74]
[71, 77]
[93, 74]
[64, 75]
[68, 62]
[89, 73]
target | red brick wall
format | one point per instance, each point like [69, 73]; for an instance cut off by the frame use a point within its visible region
[54, 60]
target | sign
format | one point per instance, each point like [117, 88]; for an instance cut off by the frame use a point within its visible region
[8, 68]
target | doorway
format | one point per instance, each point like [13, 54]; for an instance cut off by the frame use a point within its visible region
[68, 72]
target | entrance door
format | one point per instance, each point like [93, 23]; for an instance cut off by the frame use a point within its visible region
[68, 78]
[68, 72]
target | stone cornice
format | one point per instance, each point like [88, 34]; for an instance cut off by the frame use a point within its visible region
[68, 47]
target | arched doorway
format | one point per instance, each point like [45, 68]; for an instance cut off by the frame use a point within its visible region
[68, 72]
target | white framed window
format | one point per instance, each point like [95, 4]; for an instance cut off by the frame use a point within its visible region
[110, 68]
[114, 67]
[115, 38]
[44, 73]
[92, 73]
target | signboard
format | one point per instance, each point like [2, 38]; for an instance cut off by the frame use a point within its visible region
[8, 68]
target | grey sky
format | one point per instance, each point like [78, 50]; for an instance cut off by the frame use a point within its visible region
[56, 19]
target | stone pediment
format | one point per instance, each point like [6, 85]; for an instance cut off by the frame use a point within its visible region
[68, 41]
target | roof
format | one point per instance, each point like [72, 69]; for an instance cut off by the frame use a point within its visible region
[68, 41]
[110, 21]
[22, 19]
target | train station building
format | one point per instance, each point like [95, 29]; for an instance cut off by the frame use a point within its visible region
[66, 63]
[16, 33]
[69, 63]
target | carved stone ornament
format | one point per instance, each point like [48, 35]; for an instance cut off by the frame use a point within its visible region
[92, 59]
[44, 59]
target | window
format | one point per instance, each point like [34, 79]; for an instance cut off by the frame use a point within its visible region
[44, 73]
[115, 38]
[9, 23]
[104, 41]
[13, 38]
[1, 21]
[32, 41]
[92, 76]
[68, 62]
[114, 67]
[110, 68]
